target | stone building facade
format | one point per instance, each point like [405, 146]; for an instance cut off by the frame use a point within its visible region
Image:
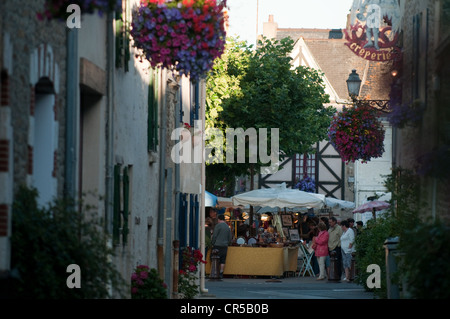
[83, 117]
[32, 122]
[325, 50]
[425, 146]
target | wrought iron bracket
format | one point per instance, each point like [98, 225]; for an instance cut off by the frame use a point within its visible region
[378, 105]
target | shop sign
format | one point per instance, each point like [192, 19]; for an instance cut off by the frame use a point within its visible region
[366, 36]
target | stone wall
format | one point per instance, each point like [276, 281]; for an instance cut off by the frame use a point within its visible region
[27, 35]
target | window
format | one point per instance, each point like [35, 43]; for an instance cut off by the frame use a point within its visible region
[305, 165]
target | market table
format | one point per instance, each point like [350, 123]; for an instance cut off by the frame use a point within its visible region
[258, 261]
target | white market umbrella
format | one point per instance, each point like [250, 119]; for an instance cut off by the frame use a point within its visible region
[339, 203]
[280, 196]
[372, 206]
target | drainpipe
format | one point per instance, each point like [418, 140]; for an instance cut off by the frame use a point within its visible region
[176, 235]
[201, 88]
[72, 93]
[109, 161]
[162, 174]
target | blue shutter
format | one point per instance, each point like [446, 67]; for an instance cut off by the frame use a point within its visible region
[195, 108]
[182, 225]
[116, 205]
[126, 197]
[196, 222]
[191, 220]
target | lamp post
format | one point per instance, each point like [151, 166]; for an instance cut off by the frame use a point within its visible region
[354, 86]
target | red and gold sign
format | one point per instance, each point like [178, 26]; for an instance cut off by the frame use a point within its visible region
[367, 37]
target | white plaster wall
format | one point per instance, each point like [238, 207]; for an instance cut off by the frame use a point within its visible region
[92, 39]
[130, 149]
[369, 176]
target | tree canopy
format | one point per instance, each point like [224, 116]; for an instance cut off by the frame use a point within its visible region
[259, 88]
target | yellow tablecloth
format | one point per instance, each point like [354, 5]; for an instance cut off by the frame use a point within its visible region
[258, 261]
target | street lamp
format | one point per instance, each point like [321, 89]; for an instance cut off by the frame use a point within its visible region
[354, 86]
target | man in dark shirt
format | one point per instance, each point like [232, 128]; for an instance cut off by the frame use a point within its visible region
[220, 240]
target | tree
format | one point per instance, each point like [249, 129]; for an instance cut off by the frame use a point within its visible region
[45, 241]
[260, 89]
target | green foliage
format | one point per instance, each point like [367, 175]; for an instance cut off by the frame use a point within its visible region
[370, 250]
[260, 89]
[273, 94]
[404, 186]
[402, 216]
[424, 266]
[147, 284]
[47, 240]
[188, 286]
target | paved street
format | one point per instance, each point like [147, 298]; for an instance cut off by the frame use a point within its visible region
[284, 288]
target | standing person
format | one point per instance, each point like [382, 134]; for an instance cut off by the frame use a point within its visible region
[325, 221]
[347, 242]
[220, 240]
[334, 243]
[213, 216]
[351, 224]
[321, 250]
[359, 227]
[303, 227]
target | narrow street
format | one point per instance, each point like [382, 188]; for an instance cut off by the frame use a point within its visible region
[285, 288]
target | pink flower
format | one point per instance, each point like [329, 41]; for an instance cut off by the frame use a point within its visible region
[144, 274]
[192, 268]
[134, 290]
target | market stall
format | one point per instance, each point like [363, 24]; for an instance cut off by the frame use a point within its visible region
[258, 261]
[274, 250]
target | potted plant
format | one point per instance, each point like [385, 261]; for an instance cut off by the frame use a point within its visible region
[357, 134]
[146, 284]
[187, 279]
[183, 35]
[403, 115]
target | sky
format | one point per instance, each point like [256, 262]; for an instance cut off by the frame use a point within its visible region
[320, 14]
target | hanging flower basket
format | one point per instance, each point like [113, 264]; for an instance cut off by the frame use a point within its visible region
[184, 35]
[57, 9]
[406, 115]
[357, 134]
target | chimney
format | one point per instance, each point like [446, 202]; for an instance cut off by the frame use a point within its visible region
[270, 28]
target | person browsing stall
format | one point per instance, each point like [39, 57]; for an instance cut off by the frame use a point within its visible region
[334, 242]
[220, 240]
[321, 249]
[347, 242]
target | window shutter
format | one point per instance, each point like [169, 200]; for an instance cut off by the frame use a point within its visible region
[116, 205]
[123, 37]
[191, 220]
[125, 212]
[152, 134]
[195, 108]
[182, 225]
[196, 221]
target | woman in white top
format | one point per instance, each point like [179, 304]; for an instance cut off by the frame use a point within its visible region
[347, 243]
